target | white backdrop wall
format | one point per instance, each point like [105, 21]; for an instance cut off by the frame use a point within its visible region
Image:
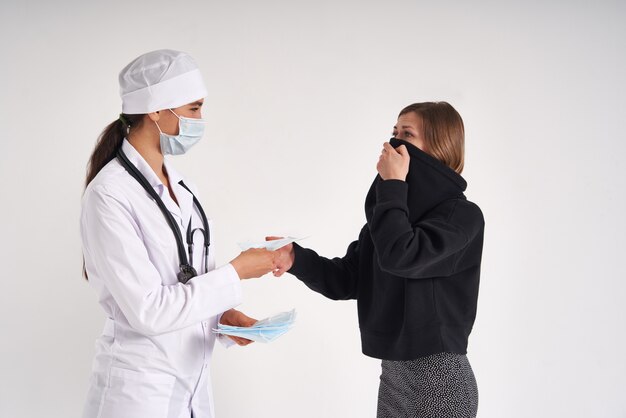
[302, 95]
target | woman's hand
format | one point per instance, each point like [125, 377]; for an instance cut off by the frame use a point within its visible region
[284, 257]
[238, 319]
[393, 163]
[254, 262]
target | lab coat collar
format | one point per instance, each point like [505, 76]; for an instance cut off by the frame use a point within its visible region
[172, 174]
[144, 168]
[185, 199]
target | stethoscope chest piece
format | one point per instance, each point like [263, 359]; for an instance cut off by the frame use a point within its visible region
[186, 272]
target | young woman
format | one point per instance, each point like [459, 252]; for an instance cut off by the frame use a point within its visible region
[146, 244]
[414, 269]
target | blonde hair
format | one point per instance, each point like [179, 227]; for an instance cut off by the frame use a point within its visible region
[444, 132]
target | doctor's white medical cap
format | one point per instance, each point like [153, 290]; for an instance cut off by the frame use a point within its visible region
[158, 80]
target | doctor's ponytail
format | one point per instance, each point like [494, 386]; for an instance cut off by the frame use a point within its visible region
[109, 142]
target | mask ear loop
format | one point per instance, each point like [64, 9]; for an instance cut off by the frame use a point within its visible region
[158, 127]
[157, 124]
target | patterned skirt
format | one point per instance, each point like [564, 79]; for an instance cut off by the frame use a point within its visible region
[438, 386]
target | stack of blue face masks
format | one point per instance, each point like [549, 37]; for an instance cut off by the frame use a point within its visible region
[263, 331]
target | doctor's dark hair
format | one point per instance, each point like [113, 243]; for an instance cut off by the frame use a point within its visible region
[444, 132]
[109, 142]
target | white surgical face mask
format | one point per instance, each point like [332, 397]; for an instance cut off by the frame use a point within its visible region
[190, 131]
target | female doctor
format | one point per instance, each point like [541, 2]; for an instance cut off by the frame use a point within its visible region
[146, 244]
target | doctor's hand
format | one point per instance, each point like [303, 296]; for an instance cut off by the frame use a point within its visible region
[254, 262]
[284, 257]
[393, 163]
[238, 319]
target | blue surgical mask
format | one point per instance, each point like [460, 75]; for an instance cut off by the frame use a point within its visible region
[190, 131]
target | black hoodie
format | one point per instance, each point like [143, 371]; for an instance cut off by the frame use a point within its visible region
[415, 268]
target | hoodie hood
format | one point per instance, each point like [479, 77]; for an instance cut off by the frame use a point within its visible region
[430, 183]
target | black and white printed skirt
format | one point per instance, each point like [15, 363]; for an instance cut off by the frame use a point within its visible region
[438, 386]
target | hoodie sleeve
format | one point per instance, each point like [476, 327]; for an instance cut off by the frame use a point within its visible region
[334, 278]
[427, 249]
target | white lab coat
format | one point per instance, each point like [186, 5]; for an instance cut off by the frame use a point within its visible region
[153, 357]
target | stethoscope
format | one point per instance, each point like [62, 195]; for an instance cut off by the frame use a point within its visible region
[186, 268]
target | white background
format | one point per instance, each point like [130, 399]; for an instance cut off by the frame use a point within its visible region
[302, 95]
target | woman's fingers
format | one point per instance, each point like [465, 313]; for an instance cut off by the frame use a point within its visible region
[387, 147]
[244, 341]
[279, 272]
[393, 162]
[240, 341]
[403, 151]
